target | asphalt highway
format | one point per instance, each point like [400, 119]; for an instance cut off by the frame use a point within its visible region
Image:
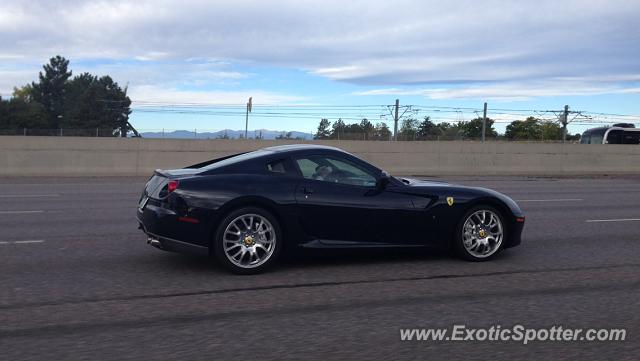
[78, 281]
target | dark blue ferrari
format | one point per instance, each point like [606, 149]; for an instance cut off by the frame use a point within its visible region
[246, 209]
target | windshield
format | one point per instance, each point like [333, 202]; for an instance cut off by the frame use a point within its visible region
[593, 136]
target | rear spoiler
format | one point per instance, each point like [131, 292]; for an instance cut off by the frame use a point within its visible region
[162, 172]
[176, 173]
[204, 164]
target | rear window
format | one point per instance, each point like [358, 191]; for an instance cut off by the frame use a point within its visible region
[238, 158]
[154, 185]
[615, 136]
[631, 137]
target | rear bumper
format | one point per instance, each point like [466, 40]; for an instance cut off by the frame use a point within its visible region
[173, 245]
[164, 230]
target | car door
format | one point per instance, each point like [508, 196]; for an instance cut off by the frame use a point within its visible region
[339, 204]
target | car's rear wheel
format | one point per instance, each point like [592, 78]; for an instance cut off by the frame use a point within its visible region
[480, 234]
[248, 240]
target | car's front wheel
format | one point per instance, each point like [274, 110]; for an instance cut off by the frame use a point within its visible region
[248, 240]
[480, 234]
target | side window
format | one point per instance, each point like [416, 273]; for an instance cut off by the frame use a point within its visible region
[615, 136]
[307, 167]
[277, 166]
[335, 170]
[631, 137]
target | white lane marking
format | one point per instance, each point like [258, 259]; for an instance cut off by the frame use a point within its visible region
[551, 200]
[28, 195]
[19, 212]
[28, 241]
[613, 220]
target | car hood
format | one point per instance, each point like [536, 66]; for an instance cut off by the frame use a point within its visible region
[461, 190]
[413, 182]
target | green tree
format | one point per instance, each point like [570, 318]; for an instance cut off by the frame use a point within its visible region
[552, 131]
[449, 130]
[17, 114]
[50, 90]
[337, 129]
[23, 93]
[382, 132]
[288, 136]
[84, 103]
[323, 129]
[473, 128]
[408, 129]
[352, 132]
[428, 129]
[574, 137]
[524, 129]
[367, 129]
[94, 102]
[533, 129]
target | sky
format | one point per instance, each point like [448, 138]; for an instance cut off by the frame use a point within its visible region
[192, 64]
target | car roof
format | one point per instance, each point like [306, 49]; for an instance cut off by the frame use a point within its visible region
[604, 129]
[299, 147]
[269, 152]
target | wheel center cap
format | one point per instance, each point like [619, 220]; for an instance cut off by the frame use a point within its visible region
[248, 241]
[482, 233]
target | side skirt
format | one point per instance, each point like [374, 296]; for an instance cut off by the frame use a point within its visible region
[321, 243]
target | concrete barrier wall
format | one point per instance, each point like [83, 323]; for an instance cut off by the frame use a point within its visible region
[76, 156]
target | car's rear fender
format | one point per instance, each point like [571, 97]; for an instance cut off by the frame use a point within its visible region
[280, 212]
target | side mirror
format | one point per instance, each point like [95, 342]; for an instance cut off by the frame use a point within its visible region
[383, 180]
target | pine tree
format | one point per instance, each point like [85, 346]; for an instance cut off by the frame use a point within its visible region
[323, 129]
[50, 90]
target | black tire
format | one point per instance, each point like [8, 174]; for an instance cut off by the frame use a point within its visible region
[218, 241]
[458, 243]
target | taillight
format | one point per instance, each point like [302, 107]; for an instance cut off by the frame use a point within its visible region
[172, 186]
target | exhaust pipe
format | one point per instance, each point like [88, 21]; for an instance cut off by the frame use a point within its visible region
[154, 242]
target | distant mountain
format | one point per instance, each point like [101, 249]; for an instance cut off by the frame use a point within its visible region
[232, 134]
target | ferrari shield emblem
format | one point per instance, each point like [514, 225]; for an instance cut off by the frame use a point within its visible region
[450, 201]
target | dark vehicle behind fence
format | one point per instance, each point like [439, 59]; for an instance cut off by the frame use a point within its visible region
[621, 133]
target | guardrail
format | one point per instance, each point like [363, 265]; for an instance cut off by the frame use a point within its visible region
[80, 156]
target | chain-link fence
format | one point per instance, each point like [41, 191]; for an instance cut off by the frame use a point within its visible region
[94, 132]
[255, 134]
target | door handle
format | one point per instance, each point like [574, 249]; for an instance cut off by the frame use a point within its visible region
[307, 190]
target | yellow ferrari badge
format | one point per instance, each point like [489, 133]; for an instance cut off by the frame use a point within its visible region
[450, 201]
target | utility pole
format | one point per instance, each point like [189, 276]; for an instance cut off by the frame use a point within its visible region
[246, 121]
[395, 121]
[565, 119]
[484, 121]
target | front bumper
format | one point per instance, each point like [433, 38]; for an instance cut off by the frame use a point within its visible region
[515, 234]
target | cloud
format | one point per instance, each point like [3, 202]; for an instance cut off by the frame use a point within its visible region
[146, 94]
[194, 73]
[371, 43]
[509, 91]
